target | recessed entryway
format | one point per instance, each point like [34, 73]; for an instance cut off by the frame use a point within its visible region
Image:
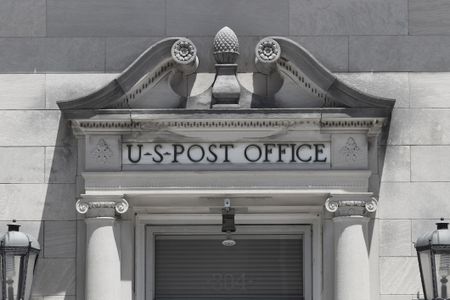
[267, 262]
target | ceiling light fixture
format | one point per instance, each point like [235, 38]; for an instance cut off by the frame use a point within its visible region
[228, 224]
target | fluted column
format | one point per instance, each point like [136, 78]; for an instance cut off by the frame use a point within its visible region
[102, 253]
[352, 269]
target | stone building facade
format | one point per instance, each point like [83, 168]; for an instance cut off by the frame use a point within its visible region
[60, 50]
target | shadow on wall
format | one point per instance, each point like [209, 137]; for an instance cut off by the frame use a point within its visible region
[375, 184]
[57, 265]
[398, 266]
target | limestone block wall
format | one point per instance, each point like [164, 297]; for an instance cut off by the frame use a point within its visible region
[415, 177]
[59, 49]
[106, 35]
[38, 160]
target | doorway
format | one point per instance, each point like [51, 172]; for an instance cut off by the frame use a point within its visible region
[266, 263]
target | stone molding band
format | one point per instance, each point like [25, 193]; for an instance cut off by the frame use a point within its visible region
[349, 207]
[120, 206]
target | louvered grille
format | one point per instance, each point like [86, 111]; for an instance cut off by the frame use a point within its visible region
[259, 267]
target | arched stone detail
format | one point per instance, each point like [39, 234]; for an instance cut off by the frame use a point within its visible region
[303, 68]
[144, 73]
[174, 59]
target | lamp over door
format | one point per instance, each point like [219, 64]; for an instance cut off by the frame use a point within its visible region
[228, 224]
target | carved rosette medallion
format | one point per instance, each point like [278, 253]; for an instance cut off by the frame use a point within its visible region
[350, 150]
[343, 207]
[120, 206]
[268, 50]
[102, 152]
[184, 51]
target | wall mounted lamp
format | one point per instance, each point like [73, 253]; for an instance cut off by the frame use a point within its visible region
[18, 257]
[433, 253]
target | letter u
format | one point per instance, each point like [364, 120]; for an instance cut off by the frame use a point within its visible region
[135, 161]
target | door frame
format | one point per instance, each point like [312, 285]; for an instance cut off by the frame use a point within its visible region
[309, 225]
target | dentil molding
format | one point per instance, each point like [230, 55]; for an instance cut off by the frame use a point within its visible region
[155, 122]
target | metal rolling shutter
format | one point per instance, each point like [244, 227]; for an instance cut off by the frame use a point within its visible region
[257, 267]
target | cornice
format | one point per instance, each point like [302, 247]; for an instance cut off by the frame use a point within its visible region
[150, 122]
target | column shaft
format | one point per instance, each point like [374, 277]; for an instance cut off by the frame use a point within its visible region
[351, 258]
[102, 260]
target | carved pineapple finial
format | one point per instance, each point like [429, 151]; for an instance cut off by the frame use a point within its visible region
[226, 46]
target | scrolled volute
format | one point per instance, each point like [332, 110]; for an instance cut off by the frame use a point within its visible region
[184, 53]
[268, 50]
[81, 206]
[267, 53]
[122, 206]
[332, 205]
[371, 205]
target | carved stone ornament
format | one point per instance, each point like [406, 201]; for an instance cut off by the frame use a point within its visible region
[268, 50]
[350, 150]
[102, 152]
[184, 51]
[226, 46]
[120, 206]
[174, 53]
[342, 207]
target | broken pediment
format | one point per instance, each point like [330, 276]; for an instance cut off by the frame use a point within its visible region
[165, 77]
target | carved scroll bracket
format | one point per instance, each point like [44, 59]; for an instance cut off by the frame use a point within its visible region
[101, 206]
[351, 205]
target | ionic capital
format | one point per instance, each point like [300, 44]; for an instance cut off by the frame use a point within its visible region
[351, 205]
[101, 206]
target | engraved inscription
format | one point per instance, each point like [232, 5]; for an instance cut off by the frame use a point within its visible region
[221, 153]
